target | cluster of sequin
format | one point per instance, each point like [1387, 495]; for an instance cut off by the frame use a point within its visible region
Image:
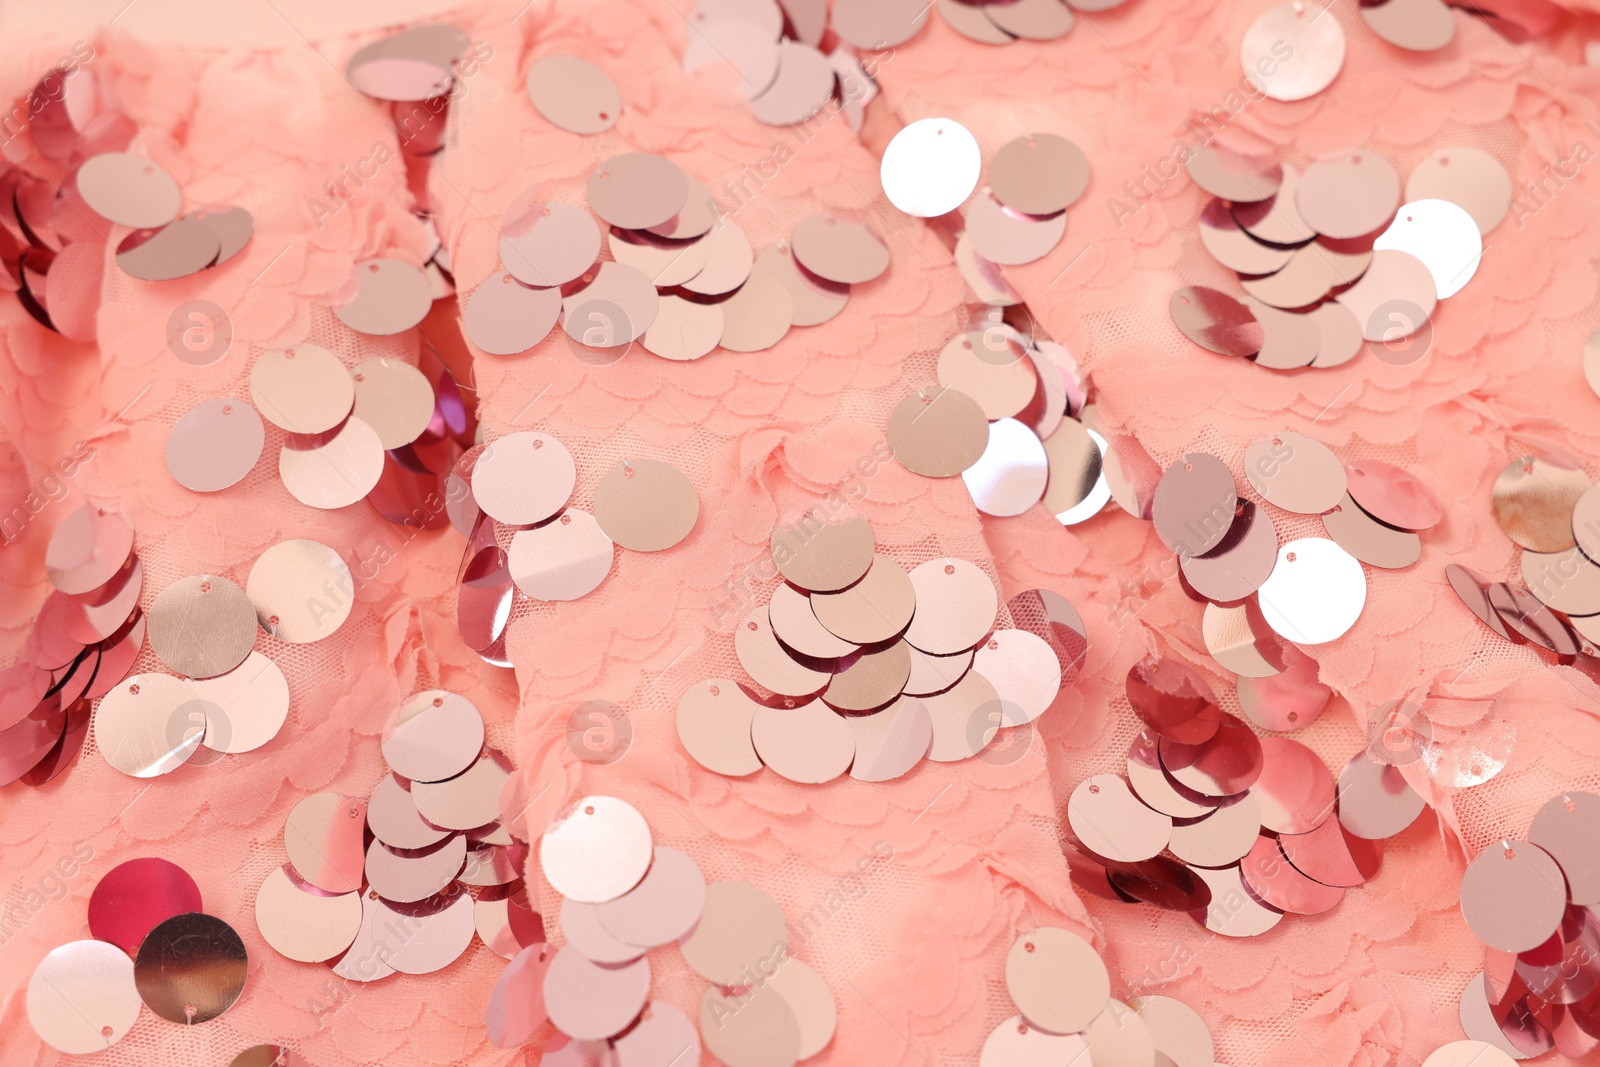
[768, 56]
[400, 882]
[872, 669]
[55, 231]
[1547, 506]
[1233, 828]
[1062, 991]
[622, 896]
[682, 278]
[1006, 416]
[1330, 257]
[1531, 902]
[152, 945]
[84, 641]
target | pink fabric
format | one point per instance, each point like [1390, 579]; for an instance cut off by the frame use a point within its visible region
[915, 961]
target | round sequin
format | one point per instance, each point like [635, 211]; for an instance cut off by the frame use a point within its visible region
[87, 550]
[1468, 177]
[1415, 25]
[332, 470]
[1315, 593]
[1233, 247]
[304, 389]
[932, 165]
[713, 723]
[1112, 822]
[796, 625]
[684, 330]
[956, 606]
[1348, 195]
[596, 850]
[215, 445]
[645, 505]
[303, 925]
[394, 398]
[759, 1029]
[470, 799]
[393, 818]
[1294, 472]
[991, 368]
[1568, 828]
[1241, 563]
[434, 735]
[938, 433]
[129, 190]
[965, 718]
[1534, 501]
[891, 742]
[1394, 298]
[1369, 540]
[1235, 176]
[82, 997]
[245, 708]
[1314, 46]
[1393, 496]
[1374, 800]
[614, 310]
[1011, 475]
[870, 679]
[1177, 1031]
[1466, 1053]
[803, 84]
[547, 243]
[504, 317]
[391, 297]
[1007, 237]
[1226, 763]
[1233, 912]
[324, 839]
[878, 24]
[638, 190]
[1222, 836]
[419, 874]
[824, 557]
[565, 559]
[202, 625]
[1194, 504]
[875, 608]
[1038, 174]
[302, 591]
[135, 897]
[663, 1036]
[1332, 855]
[580, 925]
[838, 251]
[1056, 979]
[440, 931]
[809, 744]
[1440, 234]
[1273, 880]
[191, 968]
[573, 94]
[1513, 896]
[740, 925]
[663, 907]
[1024, 671]
[524, 478]
[1295, 790]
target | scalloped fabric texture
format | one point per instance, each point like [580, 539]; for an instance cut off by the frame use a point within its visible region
[976, 846]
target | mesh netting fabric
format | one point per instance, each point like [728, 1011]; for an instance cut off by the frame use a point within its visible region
[913, 952]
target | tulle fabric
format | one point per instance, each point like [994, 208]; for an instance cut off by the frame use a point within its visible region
[913, 952]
